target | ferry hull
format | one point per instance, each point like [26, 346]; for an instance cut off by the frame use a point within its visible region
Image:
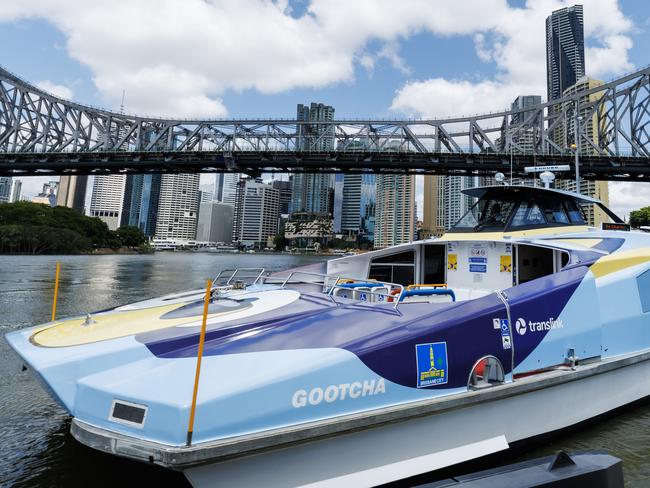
[405, 441]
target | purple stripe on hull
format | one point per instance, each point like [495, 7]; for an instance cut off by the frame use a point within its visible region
[385, 340]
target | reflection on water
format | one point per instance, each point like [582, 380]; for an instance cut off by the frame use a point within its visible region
[36, 448]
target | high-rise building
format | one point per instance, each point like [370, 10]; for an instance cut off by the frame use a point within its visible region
[523, 139]
[107, 199]
[284, 187]
[16, 190]
[225, 187]
[433, 223]
[72, 192]
[178, 207]
[256, 213]
[395, 211]
[588, 137]
[354, 206]
[565, 50]
[314, 193]
[5, 189]
[215, 222]
[140, 208]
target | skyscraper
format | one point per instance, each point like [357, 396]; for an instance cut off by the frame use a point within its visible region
[314, 193]
[395, 212]
[72, 192]
[16, 190]
[5, 189]
[284, 187]
[588, 138]
[433, 223]
[523, 139]
[215, 223]
[225, 187]
[108, 198]
[565, 50]
[256, 213]
[178, 207]
[354, 206]
[141, 196]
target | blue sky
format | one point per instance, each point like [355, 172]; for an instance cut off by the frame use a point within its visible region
[253, 58]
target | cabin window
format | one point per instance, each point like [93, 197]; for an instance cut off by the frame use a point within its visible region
[575, 213]
[528, 213]
[533, 262]
[394, 268]
[434, 264]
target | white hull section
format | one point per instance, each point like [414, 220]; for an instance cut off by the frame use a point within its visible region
[395, 451]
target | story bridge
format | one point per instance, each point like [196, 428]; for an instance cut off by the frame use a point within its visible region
[609, 127]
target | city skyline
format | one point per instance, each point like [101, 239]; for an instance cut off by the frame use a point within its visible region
[422, 70]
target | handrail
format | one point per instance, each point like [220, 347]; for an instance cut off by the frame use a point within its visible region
[339, 282]
[236, 271]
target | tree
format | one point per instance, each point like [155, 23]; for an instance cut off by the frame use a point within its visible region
[27, 227]
[640, 217]
[280, 241]
[131, 236]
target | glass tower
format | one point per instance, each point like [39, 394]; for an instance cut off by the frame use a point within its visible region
[565, 50]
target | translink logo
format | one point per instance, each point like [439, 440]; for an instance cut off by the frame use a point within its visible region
[552, 323]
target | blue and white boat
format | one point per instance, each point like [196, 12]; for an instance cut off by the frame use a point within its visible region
[520, 321]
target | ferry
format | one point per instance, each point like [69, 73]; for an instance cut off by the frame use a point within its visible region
[520, 321]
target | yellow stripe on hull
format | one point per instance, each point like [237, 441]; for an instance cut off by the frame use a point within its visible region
[112, 325]
[498, 236]
[620, 261]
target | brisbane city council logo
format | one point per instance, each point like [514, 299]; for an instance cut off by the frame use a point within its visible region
[521, 327]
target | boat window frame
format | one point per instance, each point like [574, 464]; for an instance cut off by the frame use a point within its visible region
[395, 264]
[542, 201]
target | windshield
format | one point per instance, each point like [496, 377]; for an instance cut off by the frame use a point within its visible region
[521, 210]
[488, 213]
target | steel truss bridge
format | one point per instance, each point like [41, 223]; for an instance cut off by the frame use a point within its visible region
[42, 134]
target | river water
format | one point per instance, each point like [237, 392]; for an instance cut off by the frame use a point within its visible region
[36, 449]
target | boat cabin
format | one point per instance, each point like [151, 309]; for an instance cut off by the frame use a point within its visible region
[505, 239]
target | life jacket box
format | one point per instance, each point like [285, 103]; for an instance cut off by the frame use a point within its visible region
[344, 293]
[363, 294]
[380, 293]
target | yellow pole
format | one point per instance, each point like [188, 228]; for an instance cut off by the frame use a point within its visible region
[199, 358]
[56, 290]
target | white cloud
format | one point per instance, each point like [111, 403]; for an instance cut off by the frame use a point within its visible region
[178, 57]
[33, 185]
[60, 91]
[514, 39]
[626, 196]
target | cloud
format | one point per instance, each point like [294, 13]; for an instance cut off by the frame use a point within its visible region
[626, 196]
[60, 91]
[179, 57]
[514, 40]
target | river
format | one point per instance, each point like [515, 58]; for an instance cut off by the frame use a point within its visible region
[36, 448]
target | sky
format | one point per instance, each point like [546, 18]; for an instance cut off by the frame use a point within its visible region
[256, 58]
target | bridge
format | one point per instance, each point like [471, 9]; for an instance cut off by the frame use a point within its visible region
[609, 127]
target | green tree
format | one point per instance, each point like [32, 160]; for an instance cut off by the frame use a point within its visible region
[27, 227]
[280, 241]
[640, 217]
[130, 236]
